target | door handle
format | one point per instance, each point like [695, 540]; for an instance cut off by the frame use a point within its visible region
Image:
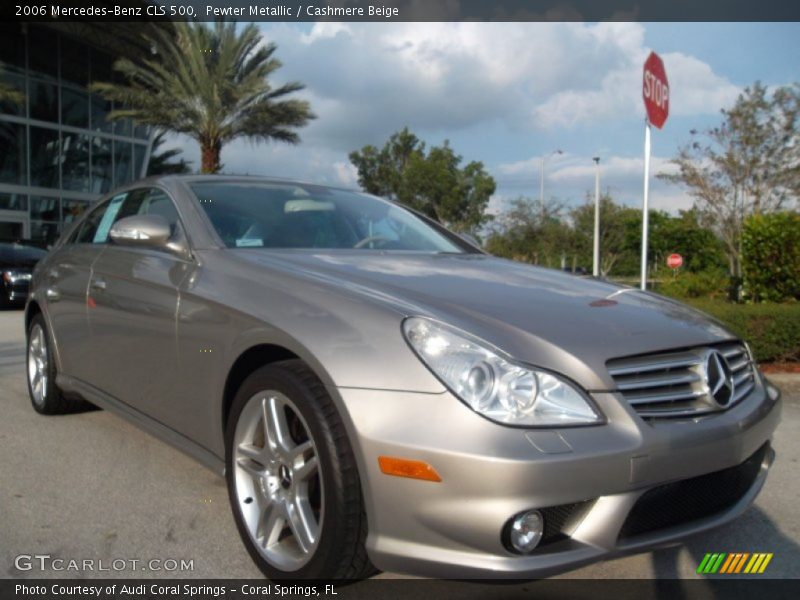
[99, 284]
[52, 294]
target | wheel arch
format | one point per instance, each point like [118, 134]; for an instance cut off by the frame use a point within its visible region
[31, 310]
[260, 353]
[248, 361]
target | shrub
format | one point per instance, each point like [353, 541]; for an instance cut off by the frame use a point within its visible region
[772, 330]
[771, 257]
[686, 285]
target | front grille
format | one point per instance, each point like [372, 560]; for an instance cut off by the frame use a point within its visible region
[685, 501]
[674, 384]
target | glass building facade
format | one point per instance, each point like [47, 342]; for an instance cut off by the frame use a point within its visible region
[58, 152]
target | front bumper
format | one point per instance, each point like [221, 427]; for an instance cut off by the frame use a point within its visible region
[453, 529]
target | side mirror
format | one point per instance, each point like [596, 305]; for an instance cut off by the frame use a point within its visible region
[148, 231]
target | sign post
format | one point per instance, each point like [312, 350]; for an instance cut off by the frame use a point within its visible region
[655, 91]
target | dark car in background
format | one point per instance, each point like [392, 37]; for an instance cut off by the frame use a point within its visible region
[17, 260]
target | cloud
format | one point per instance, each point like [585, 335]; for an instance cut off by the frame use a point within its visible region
[367, 80]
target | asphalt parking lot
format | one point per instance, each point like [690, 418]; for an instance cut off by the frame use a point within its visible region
[91, 486]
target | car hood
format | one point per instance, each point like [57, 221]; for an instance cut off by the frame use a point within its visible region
[540, 316]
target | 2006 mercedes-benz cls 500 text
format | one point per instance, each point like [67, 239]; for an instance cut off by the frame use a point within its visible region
[381, 394]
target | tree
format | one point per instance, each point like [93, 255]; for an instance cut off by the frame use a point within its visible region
[163, 162]
[532, 231]
[210, 83]
[700, 248]
[750, 164]
[615, 223]
[431, 182]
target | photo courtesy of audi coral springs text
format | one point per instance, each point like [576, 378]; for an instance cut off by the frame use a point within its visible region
[382, 394]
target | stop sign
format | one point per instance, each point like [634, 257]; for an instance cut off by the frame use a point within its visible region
[674, 261]
[655, 90]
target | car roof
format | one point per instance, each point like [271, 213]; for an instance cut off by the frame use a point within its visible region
[189, 179]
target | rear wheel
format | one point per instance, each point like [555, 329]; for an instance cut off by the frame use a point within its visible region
[292, 478]
[45, 396]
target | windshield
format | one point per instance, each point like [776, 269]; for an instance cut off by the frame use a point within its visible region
[280, 215]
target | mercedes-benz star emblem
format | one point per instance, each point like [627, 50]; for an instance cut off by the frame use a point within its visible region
[719, 378]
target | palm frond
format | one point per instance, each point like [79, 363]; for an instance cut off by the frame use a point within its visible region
[210, 82]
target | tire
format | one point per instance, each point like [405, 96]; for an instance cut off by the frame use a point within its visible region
[45, 396]
[296, 521]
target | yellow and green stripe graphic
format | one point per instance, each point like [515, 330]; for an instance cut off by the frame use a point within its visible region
[729, 563]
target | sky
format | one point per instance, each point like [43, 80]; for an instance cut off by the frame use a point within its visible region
[509, 94]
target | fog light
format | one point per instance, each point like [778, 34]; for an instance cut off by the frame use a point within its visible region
[526, 531]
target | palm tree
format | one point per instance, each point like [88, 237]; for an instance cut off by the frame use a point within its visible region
[210, 83]
[162, 162]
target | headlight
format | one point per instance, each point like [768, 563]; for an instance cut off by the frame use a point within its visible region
[494, 386]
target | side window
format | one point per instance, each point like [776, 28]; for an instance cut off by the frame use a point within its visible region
[149, 201]
[91, 230]
[142, 201]
[158, 203]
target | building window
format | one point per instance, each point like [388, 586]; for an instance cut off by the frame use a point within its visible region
[101, 165]
[100, 109]
[44, 232]
[16, 82]
[13, 165]
[43, 101]
[74, 62]
[13, 202]
[43, 51]
[75, 161]
[45, 157]
[122, 126]
[138, 159]
[72, 209]
[74, 108]
[12, 50]
[123, 159]
[58, 136]
[45, 209]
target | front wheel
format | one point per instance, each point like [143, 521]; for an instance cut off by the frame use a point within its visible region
[292, 478]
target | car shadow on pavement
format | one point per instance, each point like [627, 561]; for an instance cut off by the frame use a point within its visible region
[753, 532]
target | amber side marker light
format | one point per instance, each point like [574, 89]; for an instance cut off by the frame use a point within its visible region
[404, 467]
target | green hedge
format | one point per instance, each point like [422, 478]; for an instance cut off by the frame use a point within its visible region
[705, 284]
[771, 257]
[772, 330]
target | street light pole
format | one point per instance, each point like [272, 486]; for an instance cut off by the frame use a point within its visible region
[541, 174]
[596, 254]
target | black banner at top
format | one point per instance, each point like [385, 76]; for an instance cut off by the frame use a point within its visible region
[402, 10]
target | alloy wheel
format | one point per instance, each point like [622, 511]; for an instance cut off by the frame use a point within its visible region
[37, 363]
[277, 480]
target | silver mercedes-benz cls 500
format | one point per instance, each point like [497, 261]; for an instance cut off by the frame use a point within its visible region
[380, 393]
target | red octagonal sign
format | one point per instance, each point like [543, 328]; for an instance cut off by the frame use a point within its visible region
[674, 261]
[655, 90]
